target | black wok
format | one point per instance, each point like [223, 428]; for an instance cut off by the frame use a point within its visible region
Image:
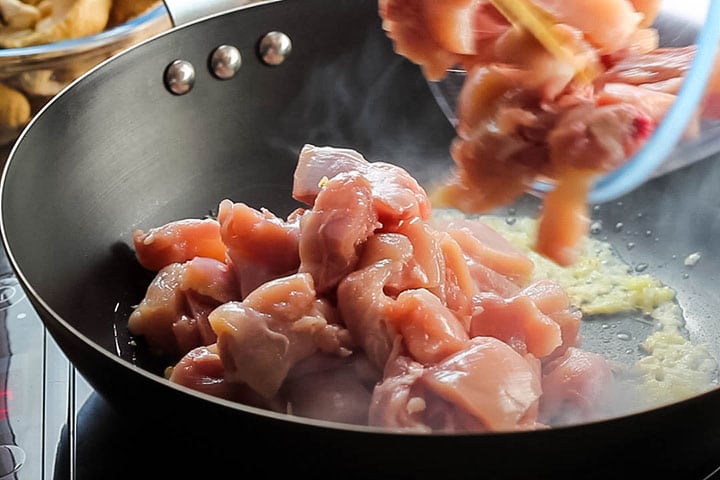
[117, 151]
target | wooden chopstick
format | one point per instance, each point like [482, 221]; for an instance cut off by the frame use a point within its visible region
[523, 14]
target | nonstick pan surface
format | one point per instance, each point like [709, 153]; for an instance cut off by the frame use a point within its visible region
[117, 151]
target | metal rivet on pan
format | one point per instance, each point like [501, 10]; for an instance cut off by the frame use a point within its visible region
[180, 77]
[275, 48]
[225, 61]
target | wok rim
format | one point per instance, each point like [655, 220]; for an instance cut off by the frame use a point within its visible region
[47, 314]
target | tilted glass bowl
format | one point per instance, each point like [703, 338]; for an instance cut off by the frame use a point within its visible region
[679, 23]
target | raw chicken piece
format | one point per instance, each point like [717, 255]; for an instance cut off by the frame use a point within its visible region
[600, 137]
[343, 217]
[429, 329]
[486, 279]
[492, 382]
[460, 287]
[389, 265]
[500, 148]
[123, 10]
[365, 309]
[261, 246]
[426, 253]
[202, 370]
[650, 67]
[518, 322]
[397, 248]
[554, 302]
[331, 388]
[488, 247]
[565, 217]
[538, 320]
[483, 90]
[395, 401]
[575, 387]
[178, 242]
[406, 24]
[651, 100]
[403, 401]
[273, 328]
[531, 66]
[463, 26]
[396, 194]
[607, 24]
[173, 315]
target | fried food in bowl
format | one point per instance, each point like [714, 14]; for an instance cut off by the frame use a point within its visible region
[46, 44]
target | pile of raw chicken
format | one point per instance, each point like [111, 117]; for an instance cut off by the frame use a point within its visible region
[25, 23]
[526, 114]
[365, 308]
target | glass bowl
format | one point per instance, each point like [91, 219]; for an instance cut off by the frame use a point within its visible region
[30, 76]
[679, 24]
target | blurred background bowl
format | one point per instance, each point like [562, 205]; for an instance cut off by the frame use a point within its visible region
[32, 75]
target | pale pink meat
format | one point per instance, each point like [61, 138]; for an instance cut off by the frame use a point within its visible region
[331, 388]
[178, 242]
[360, 310]
[460, 286]
[608, 24]
[192, 328]
[430, 331]
[554, 302]
[393, 403]
[653, 103]
[658, 65]
[202, 370]
[426, 252]
[531, 66]
[475, 255]
[276, 326]
[501, 145]
[492, 382]
[403, 401]
[651, 99]
[518, 322]
[576, 387]
[261, 246]
[395, 248]
[396, 194]
[486, 246]
[172, 316]
[406, 24]
[592, 137]
[343, 217]
[463, 26]
[365, 309]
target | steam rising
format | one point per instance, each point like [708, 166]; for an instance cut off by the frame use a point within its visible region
[372, 102]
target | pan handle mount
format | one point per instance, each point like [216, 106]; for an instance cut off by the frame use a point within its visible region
[186, 11]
